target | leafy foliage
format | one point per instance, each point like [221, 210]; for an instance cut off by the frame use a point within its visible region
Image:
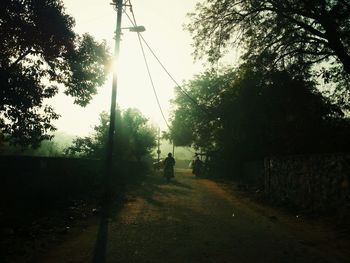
[271, 103]
[286, 32]
[134, 139]
[39, 52]
[247, 114]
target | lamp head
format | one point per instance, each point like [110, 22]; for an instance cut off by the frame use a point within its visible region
[137, 29]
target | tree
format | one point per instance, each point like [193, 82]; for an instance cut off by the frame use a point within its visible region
[134, 138]
[195, 123]
[245, 114]
[40, 53]
[136, 135]
[287, 32]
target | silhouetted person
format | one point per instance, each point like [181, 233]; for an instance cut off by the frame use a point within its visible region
[197, 166]
[169, 163]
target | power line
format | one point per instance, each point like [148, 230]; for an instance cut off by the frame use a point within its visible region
[160, 63]
[148, 69]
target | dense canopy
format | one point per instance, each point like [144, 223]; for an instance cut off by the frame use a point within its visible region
[40, 54]
[134, 139]
[291, 31]
[245, 114]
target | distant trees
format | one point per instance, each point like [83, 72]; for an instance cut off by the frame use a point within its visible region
[40, 53]
[244, 114]
[134, 138]
[49, 148]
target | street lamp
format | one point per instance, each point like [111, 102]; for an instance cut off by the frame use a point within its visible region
[137, 29]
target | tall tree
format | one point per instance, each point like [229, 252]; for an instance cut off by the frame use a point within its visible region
[248, 114]
[291, 31]
[134, 138]
[40, 53]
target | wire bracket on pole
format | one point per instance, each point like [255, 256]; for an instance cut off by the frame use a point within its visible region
[125, 4]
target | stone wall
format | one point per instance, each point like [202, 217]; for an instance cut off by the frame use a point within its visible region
[313, 182]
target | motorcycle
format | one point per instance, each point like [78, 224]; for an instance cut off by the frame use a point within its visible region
[168, 173]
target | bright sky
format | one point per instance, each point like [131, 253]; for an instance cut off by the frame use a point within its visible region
[163, 20]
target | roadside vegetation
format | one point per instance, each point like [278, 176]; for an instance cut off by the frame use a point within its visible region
[287, 94]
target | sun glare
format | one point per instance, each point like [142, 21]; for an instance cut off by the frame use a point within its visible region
[134, 89]
[115, 67]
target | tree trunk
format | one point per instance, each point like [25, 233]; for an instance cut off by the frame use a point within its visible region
[335, 43]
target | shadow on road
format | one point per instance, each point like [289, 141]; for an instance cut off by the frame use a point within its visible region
[176, 183]
[156, 184]
[102, 235]
[150, 186]
[110, 206]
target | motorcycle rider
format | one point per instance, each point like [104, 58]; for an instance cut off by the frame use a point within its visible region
[197, 166]
[169, 163]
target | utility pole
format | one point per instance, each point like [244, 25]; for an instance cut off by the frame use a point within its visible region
[158, 151]
[109, 167]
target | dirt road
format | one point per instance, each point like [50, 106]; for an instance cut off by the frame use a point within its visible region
[195, 220]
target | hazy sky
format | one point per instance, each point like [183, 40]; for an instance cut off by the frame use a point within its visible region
[164, 21]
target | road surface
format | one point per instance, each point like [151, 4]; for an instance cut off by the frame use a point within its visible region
[196, 220]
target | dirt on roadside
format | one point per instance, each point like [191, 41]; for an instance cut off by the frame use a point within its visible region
[198, 220]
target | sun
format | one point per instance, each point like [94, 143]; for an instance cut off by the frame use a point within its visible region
[134, 90]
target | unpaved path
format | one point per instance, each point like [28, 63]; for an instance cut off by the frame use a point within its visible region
[194, 220]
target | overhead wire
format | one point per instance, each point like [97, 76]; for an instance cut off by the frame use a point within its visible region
[133, 22]
[148, 69]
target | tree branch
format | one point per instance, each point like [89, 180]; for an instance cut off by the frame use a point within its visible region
[21, 57]
[301, 51]
[347, 5]
[306, 26]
